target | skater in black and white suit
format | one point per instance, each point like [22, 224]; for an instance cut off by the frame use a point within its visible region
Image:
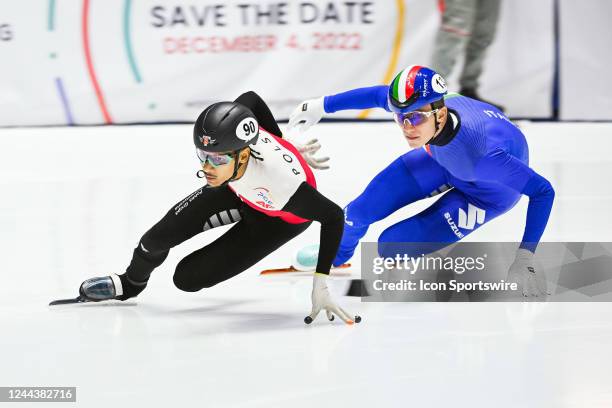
[257, 181]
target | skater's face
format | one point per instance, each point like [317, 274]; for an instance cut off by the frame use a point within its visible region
[419, 127]
[220, 173]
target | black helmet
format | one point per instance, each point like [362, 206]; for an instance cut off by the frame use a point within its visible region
[225, 127]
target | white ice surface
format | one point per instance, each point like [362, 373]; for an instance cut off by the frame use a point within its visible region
[75, 202]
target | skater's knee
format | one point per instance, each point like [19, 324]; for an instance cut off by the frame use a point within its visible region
[184, 277]
[183, 283]
[190, 278]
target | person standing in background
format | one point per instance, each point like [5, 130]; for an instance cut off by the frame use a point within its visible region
[467, 26]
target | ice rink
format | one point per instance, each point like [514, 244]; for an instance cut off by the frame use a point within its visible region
[75, 202]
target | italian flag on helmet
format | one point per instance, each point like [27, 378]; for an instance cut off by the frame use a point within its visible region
[415, 87]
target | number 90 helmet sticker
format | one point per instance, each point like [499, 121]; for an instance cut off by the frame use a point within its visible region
[247, 129]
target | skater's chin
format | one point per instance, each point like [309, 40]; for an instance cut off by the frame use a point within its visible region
[415, 142]
[212, 181]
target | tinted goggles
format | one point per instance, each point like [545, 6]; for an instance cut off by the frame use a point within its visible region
[413, 118]
[215, 159]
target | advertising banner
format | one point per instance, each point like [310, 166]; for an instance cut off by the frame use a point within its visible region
[105, 62]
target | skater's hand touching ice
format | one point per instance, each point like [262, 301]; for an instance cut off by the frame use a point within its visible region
[321, 300]
[523, 272]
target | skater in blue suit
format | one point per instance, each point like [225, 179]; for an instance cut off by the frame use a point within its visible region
[465, 150]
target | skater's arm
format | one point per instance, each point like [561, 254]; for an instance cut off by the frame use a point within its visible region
[506, 169]
[541, 196]
[310, 204]
[360, 98]
[311, 111]
[262, 112]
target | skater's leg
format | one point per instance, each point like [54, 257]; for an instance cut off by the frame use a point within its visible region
[245, 244]
[411, 177]
[203, 209]
[448, 220]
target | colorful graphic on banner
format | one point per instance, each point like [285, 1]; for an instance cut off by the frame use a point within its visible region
[135, 61]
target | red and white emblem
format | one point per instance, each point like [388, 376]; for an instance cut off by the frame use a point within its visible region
[206, 140]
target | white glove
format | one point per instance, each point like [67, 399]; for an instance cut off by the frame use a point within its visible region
[307, 150]
[306, 114]
[321, 299]
[523, 272]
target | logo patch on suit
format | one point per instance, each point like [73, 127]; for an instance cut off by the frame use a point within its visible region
[264, 198]
[474, 215]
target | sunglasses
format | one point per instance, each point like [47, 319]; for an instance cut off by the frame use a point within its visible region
[215, 159]
[413, 118]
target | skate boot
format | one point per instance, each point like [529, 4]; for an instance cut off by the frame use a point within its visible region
[118, 287]
[101, 288]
